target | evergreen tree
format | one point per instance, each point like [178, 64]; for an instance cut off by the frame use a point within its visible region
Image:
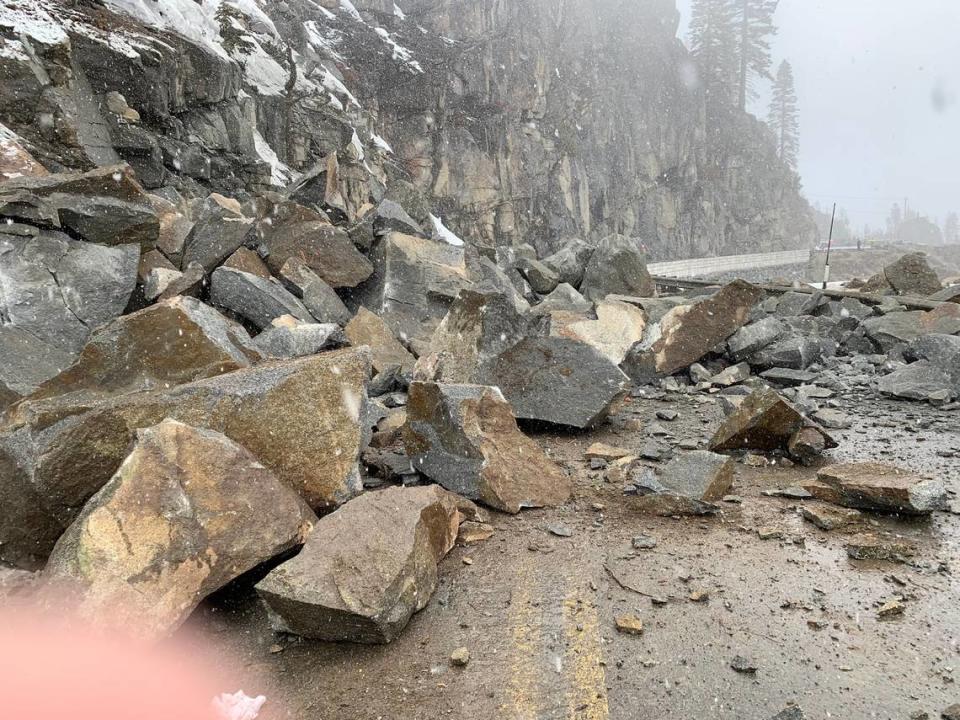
[784, 116]
[951, 228]
[754, 19]
[713, 43]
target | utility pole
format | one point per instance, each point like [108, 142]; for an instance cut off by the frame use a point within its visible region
[826, 265]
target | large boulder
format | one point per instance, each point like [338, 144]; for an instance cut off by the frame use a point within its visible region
[416, 281]
[618, 266]
[26, 362]
[570, 261]
[884, 488]
[327, 250]
[221, 228]
[558, 380]
[477, 328]
[304, 419]
[690, 484]
[59, 289]
[688, 332]
[466, 438]
[170, 343]
[911, 275]
[618, 327]
[105, 206]
[256, 299]
[921, 380]
[764, 421]
[366, 568]
[942, 351]
[564, 298]
[188, 511]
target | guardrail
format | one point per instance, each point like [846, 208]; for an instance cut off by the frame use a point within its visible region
[700, 267]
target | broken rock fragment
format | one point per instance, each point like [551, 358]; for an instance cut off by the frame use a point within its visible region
[288, 337]
[135, 565]
[558, 380]
[689, 485]
[327, 250]
[688, 332]
[366, 568]
[883, 488]
[617, 328]
[318, 297]
[764, 421]
[219, 231]
[466, 438]
[617, 266]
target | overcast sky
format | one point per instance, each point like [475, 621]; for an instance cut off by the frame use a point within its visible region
[878, 85]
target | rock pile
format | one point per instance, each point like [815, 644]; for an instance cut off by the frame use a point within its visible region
[170, 364]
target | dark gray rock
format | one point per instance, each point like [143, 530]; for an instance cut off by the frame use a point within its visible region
[291, 340]
[754, 337]
[942, 351]
[919, 381]
[764, 421]
[563, 299]
[894, 328]
[326, 249]
[700, 474]
[618, 266]
[911, 275]
[390, 216]
[794, 303]
[788, 377]
[319, 298]
[558, 380]
[220, 229]
[26, 361]
[466, 438]
[570, 261]
[794, 351]
[542, 278]
[254, 298]
[59, 289]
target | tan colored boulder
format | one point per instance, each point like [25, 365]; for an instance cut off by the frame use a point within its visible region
[764, 421]
[688, 332]
[15, 160]
[188, 511]
[167, 344]
[326, 249]
[466, 438]
[304, 419]
[883, 488]
[368, 329]
[366, 568]
[248, 261]
[617, 328]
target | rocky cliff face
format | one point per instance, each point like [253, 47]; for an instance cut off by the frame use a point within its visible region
[513, 120]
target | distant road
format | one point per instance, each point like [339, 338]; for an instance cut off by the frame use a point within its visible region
[703, 267]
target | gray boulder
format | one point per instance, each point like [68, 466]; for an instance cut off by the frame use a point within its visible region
[921, 380]
[254, 298]
[753, 337]
[558, 380]
[542, 278]
[564, 298]
[319, 298]
[618, 266]
[570, 261]
[221, 228]
[289, 338]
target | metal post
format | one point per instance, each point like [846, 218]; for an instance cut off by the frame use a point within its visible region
[826, 265]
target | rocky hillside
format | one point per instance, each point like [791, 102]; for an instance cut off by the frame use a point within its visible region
[531, 121]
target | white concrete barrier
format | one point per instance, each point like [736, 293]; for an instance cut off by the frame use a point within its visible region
[700, 267]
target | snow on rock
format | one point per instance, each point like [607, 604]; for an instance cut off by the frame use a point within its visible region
[333, 85]
[442, 232]
[381, 143]
[352, 11]
[399, 52]
[30, 18]
[398, 12]
[195, 20]
[357, 147]
[263, 72]
[15, 161]
[323, 42]
[280, 173]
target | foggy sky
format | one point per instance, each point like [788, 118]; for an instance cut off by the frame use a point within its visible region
[878, 86]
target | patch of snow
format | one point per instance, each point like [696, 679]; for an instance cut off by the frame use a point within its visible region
[193, 19]
[381, 143]
[357, 146]
[442, 232]
[260, 22]
[280, 173]
[13, 50]
[399, 52]
[398, 12]
[31, 19]
[352, 11]
[325, 43]
[333, 85]
[262, 71]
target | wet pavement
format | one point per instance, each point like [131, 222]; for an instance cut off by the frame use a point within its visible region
[536, 611]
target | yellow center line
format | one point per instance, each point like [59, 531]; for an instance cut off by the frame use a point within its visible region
[586, 679]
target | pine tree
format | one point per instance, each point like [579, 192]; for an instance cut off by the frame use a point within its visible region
[951, 228]
[784, 117]
[713, 43]
[755, 27]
